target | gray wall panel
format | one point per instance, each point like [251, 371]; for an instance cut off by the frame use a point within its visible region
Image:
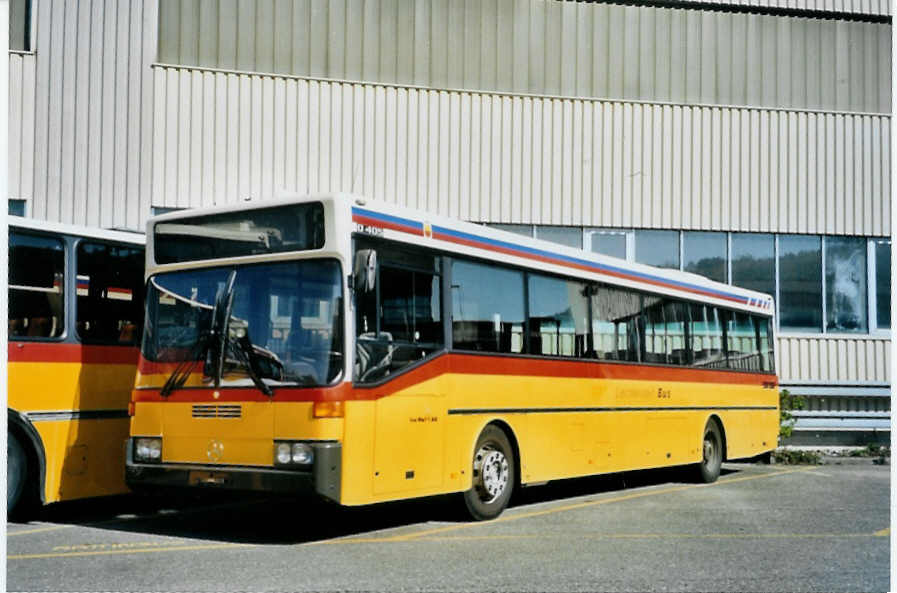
[530, 159]
[545, 47]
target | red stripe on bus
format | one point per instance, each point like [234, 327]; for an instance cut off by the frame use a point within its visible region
[57, 352]
[470, 364]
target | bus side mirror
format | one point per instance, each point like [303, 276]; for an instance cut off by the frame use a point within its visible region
[365, 271]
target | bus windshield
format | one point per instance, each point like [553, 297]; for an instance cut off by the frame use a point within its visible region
[284, 325]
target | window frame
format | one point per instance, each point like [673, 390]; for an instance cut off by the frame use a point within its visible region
[69, 285]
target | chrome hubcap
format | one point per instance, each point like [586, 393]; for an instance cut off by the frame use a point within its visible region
[490, 470]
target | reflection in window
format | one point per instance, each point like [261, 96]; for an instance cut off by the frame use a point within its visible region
[764, 330]
[706, 336]
[705, 254]
[665, 332]
[569, 236]
[741, 342]
[800, 283]
[20, 25]
[487, 308]
[36, 285]
[753, 262]
[612, 244]
[883, 284]
[617, 330]
[17, 207]
[110, 293]
[558, 316]
[657, 248]
[845, 284]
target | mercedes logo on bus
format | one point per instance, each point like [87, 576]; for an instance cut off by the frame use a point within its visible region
[215, 451]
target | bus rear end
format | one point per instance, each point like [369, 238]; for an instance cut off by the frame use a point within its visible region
[242, 374]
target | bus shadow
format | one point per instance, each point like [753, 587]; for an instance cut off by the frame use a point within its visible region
[242, 519]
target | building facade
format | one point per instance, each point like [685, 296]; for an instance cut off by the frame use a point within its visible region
[746, 141]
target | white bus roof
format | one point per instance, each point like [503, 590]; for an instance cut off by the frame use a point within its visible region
[432, 231]
[17, 222]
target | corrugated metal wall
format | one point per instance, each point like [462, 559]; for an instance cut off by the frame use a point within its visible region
[544, 47]
[80, 113]
[858, 7]
[818, 359]
[521, 159]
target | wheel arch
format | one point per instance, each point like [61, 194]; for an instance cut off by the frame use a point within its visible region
[722, 432]
[22, 427]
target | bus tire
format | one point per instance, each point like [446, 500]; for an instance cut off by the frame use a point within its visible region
[494, 473]
[712, 453]
[16, 473]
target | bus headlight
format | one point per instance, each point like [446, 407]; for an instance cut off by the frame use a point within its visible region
[148, 450]
[291, 453]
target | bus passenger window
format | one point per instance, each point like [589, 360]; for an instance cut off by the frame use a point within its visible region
[110, 287]
[741, 342]
[706, 334]
[405, 325]
[487, 308]
[767, 357]
[36, 287]
[558, 316]
[616, 324]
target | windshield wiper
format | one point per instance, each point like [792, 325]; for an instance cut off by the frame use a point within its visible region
[179, 375]
[247, 354]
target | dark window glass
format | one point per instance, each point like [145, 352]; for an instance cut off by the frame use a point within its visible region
[612, 244]
[617, 329]
[800, 283]
[110, 287]
[487, 307]
[883, 284]
[767, 356]
[286, 322]
[36, 286]
[569, 236]
[705, 254]
[706, 331]
[19, 25]
[753, 262]
[16, 207]
[519, 229]
[845, 284]
[657, 248]
[406, 325]
[558, 316]
[298, 227]
[741, 342]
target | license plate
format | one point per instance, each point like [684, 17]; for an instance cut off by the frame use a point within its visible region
[201, 478]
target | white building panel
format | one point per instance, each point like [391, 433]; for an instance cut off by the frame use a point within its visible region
[523, 159]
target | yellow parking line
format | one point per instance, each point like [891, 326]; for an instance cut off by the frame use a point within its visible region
[119, 552]
[570, 507]
[883, 532]
[37, 530]
[650, 536]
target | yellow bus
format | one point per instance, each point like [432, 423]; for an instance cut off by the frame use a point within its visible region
[369, 353]
[74, 321]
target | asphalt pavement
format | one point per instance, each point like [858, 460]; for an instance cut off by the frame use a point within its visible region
[759, 528]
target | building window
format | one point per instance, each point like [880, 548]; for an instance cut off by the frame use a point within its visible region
[845, 284]
[883, 284]
[612, 243]
[753, 262]
[20, 25]
[159, 210]
[564, 235]
[657, 248]
[705, 254]
[518, 229]
[800, 283]
[484, 318]
[18, 207]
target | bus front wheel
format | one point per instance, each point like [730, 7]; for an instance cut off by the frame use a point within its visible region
[712, 457]
[494, 474]
[16, 472]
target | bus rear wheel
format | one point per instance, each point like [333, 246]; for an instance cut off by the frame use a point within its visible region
[712, 453]
[16, 473]
[494, 475]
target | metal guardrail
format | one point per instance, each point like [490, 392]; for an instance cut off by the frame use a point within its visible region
[847, 407]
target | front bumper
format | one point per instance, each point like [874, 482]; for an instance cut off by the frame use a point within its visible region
[323, 477]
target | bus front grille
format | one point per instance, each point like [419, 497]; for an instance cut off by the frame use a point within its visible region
[217, 411]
